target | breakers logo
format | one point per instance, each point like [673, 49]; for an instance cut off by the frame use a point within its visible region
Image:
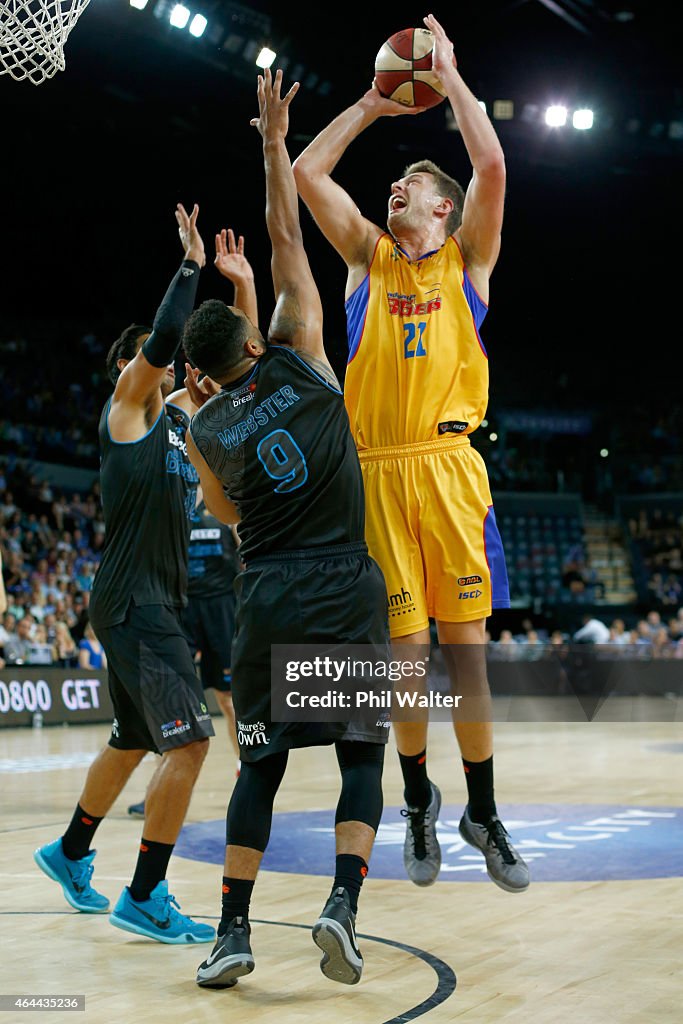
[401, 604]
[174, 728]
[468, 581]
[243, 395]
[251, 734]
[177, 442]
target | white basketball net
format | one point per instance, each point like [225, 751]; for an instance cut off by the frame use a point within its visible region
[33, 34]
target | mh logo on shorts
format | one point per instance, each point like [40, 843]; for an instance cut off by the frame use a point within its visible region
[251, 734]
[174, 728]
[401, 603]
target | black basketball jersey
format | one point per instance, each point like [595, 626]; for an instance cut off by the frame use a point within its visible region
[212, 556]
[148, 494]
[278, 439]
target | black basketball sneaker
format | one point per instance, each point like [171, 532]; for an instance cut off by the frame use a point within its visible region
[334, 933]
[231, 958]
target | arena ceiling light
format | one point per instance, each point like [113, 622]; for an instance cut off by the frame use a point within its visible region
[556, 116]
[138, 4]
[198, 25]
[582, 119]
[265, 57]
[179, 16]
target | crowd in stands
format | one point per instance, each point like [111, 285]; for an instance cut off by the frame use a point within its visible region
[641, 638]
[657, 553]
[51, 544]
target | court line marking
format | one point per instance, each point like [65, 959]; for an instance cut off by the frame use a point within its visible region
[446, 982]
[60, 823]
[27, 828]
[446, 979]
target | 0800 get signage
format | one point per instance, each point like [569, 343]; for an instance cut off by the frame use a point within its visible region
[58, 695]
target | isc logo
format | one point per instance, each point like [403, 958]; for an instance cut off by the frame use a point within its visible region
[468, 594]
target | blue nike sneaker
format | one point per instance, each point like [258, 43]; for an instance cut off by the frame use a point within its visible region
[158, 918]
[73, 876]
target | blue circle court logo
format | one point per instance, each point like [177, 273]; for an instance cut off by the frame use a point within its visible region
[559, 842]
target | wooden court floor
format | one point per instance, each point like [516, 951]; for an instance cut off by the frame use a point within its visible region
[600, 943]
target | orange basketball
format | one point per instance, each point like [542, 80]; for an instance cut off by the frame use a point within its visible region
[403, 69]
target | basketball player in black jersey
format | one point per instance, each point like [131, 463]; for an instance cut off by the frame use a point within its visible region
[209, 618]
[273, 450]
[148, 493]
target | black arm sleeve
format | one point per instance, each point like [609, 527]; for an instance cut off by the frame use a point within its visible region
[164, 341]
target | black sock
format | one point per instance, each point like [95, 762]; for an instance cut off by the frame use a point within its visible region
[150, 869]
[349, 872]
[78, 836]
[479, 776]
[417, 792]
[235, 900]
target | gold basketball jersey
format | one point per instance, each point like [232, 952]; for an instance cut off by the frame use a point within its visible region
[417, 368]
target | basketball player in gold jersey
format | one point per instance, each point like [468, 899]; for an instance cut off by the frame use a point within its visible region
[416, 296]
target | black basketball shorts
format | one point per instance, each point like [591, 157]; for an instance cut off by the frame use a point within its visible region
[332, 595]
[209, 624]
[158, 699]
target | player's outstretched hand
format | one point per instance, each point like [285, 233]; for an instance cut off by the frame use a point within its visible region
[443, 58]
[200, 391]
[383, 107]
[230, 259]
[190, 238]
[273, 119]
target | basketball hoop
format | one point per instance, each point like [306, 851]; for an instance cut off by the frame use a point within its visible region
[33, 34]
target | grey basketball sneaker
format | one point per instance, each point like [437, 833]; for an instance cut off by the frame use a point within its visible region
[421, 850]
[334, 933]
[504, 865]
[230, 958]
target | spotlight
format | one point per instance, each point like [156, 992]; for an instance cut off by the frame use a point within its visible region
[582, 119]
[556, 116]
[139, 4]
[493, 437]
[179, 16]
[604, 453]
[197, 25]
[265, 57]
